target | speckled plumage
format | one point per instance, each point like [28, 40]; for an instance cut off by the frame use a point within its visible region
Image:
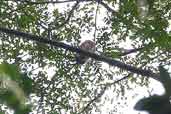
[87, 45]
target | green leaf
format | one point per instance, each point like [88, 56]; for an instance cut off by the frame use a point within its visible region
[9, 70]
[27, 84]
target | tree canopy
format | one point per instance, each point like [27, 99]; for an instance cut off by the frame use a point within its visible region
[40, 38]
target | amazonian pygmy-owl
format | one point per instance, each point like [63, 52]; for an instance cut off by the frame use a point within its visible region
[87, 45]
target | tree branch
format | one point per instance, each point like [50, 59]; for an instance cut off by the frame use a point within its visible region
[108, 60]
[67, 1]
[131, 51]
[95, 26]
[45, 2]
[94, 99]
[69, 15]
[102, 92]
[107, 7]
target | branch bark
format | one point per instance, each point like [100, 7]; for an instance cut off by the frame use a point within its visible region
[108, 60]
[67, 1]
[45, 2]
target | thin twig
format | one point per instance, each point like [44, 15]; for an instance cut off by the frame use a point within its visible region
[108, 8]
[103, 91]
[69, 16]
[131, 51]
[117, 81]
[94, 99]
[96, 22]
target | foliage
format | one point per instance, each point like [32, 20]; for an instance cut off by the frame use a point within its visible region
[120, 29]
[13, 88]
[158, 104]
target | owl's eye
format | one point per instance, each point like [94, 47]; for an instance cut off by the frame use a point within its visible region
[87, 45]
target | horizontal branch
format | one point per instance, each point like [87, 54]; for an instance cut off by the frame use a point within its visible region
[46, 2]
[108, 60]
[67, 1]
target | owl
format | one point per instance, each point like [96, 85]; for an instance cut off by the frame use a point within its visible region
[87, 45]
